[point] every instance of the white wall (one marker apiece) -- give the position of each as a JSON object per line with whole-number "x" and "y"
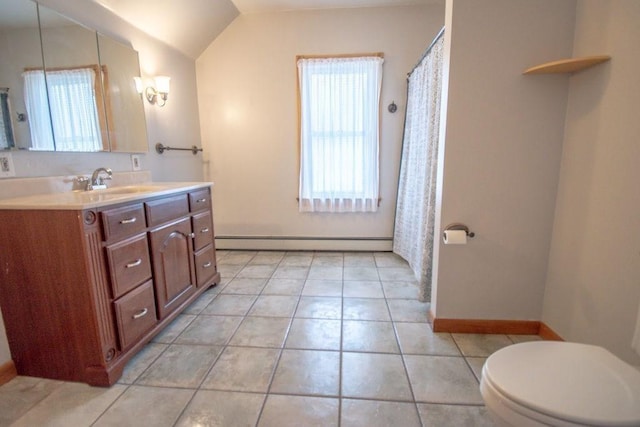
{"x": 177, "y": 124}
{"x": 593, "y": 292}
{"x": 503, "y": 139}
{"x": 248, "y": 110}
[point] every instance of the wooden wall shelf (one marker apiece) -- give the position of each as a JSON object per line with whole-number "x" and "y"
{"x": 571, "y": 65}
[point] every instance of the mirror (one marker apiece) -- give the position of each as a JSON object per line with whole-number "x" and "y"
{"x": 82, "y": 98}
{"x": 72, "y": 84}
{"x": 127, "y": 130}
{"x": 19, "y": 49}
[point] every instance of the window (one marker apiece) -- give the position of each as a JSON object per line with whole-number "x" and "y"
{"x": 70, "y": 108}
{"x": 339, "y": 131}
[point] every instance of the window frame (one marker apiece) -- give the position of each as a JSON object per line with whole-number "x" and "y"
{"x": 299, "y": 103}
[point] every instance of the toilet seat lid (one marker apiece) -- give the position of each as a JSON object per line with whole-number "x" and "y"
{"x": 574, "y": 382}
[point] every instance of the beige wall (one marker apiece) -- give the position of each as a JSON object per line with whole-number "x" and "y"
{"x": 503, "y": 139}
{"x": 247, "y": 94}
{"x": 593, "y": 285}
{"x": 177, "y": 124}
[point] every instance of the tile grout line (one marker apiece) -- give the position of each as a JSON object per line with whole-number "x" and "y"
{"x": 282, "y": 348}
{"x": 404, "y": 363}
{"x": 204, "y": 377}
{"x": 340, "y": 362}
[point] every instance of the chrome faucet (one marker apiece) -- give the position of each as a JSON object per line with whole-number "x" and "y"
{"x": 97, "y": 182}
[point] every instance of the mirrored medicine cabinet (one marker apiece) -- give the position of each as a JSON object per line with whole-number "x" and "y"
{"x": 65, "y": 87}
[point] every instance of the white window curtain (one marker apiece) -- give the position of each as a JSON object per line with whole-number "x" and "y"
{"x": 37, "y": 105}
{"x": 413, "y": 237}
{"x": 72, "y": 107}
{"x": 339, "y": 113}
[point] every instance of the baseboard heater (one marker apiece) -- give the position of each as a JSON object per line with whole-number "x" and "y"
{"x": 305, "y": 243}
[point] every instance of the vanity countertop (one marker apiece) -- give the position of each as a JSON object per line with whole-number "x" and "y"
{"x": 79, "y": 200}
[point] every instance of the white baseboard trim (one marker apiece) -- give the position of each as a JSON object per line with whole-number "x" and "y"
{"x": 294, "y": 243}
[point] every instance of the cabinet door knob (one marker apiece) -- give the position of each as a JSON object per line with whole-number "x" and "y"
{"x": 206, "y": 265}
{"x": 128, "y": 220}
{"x": 204, "y": 230}
{"x": 135, "y": 263}
{"x": 142, "y": 313}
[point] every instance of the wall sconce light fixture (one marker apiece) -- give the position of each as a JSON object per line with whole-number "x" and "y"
{"x": 156, "y": 93}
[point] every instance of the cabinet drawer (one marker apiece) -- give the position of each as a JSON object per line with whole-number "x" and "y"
{"x": 202, "y": 230}
{"x": 163, "y": 210}
{"x": 205, "y": 265}
{"x": 129, "y": 264}
{"x": 135, "y": 313}
{"x": 200, "y": 200}
{"x": 122, "y": 222}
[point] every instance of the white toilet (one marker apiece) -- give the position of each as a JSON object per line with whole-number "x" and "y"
{"x": 550, "y": 383}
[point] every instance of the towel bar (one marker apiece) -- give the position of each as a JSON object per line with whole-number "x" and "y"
{"x": 160, "y": 148}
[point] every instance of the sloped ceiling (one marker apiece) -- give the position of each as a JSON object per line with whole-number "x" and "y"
{"x": 187, "y": 25}
{"x": 191, "y": 25}
{"x": 258, "y": 6}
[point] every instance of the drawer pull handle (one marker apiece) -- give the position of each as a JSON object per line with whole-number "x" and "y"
{"x": 201, "y": 200}
{"x": 204, "y": 230}
{"x": 141, "y": 314}
{"x": 135, "y": 263}
{"x": 206, "y": 265}
{"x": 128, "y": 220}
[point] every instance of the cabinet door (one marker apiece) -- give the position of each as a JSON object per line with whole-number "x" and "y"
{"x": 172, "y": 254}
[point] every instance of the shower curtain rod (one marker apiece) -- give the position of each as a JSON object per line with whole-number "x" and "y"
{"x": 426, "y": 52}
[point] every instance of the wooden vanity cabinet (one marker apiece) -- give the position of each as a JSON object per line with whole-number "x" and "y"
{"x": 83, "y": 291}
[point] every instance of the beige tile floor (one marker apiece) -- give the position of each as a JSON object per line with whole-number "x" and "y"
{"x": 287, "y": 339}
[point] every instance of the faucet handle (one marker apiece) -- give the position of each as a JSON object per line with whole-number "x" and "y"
{"x": 80, "y": 183}
{"x": 102, "y": 179}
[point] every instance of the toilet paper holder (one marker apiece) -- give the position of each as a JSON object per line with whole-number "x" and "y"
{"x": 459, "y": 226}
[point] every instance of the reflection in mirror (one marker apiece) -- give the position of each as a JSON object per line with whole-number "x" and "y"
{"x": 7, "y": 139}
{"x": 72, "y": 83}
{"x": 19, "y": 49}
{"x": 127, "y": 127}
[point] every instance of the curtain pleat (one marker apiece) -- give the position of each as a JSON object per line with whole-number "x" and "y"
{"x": 415, "y": 211}
{"x": 37, "y": 106}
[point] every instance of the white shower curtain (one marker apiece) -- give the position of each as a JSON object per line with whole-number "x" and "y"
{"x": 415, "y": 211}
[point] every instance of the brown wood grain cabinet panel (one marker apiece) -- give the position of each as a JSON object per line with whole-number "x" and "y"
{"x": 123, "y": 221}
{"x": 173, "y": 273}
{"x": 166, "y": 209}
{"x": 44, "y": 278}
{"x": 136, "y": 313}
{"x": 200, "y": 200}
{"x": 129, "y": 264}
{"x": 202, "y": 230}
{"x": 205, "y": 265}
